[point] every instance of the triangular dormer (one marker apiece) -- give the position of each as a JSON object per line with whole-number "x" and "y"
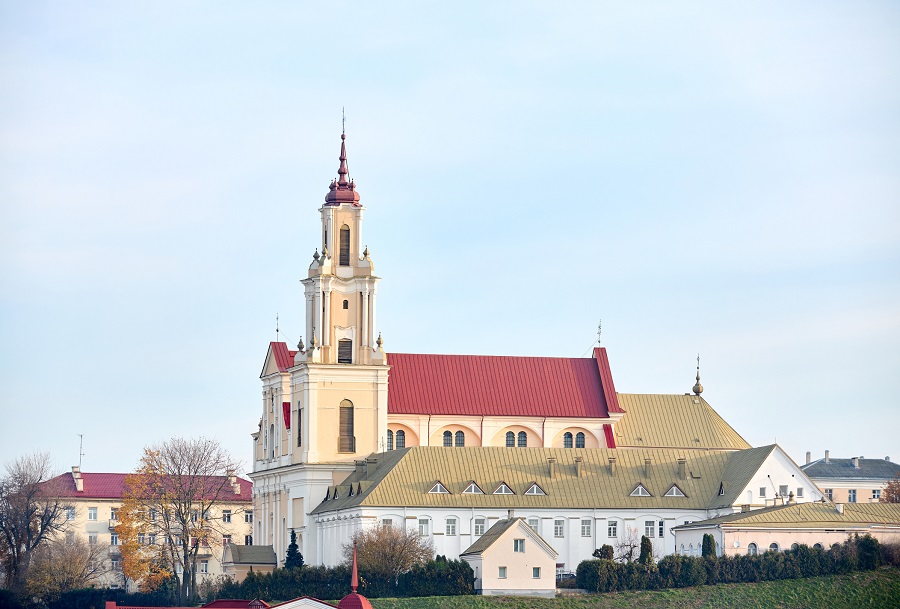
{"x": 674, "y": 491}
{"x": 503, "y": 489}
{"x": 640, "y": 491}
{"x": 721, "y": 489}
{"x": 473, "y": 489}
{"x": 535, "y": 489}
{"x": 438, "y": 489}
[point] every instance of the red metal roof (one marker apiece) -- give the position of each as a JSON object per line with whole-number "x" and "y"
{"x": 112, "y": 486}
{"x": 228, "y": 603}
{"x": 284, "y": 357}
{"x": 610, "y": 439}
{"x": 501, "y": 385}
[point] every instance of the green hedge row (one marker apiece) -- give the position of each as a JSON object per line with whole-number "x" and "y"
{"x": 676, "y": 571}
{"x": 439, "y": 577}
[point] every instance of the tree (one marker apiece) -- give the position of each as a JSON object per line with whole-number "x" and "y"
{"x": 62, "y": 565}
{"x": 709, "y": 546}
{"x": 891, "y": 493}
{"x": 32, "y": 510}
{"x": 646, "y": 550}
{"x": 388, "y": 551}
{"x": 293, "y": 559}
{"x": 629, "y": 546}
{"x": 170, "y": 500}
{"x": 605, "y": 551}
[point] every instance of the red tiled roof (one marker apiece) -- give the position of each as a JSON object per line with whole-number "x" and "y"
{"x": 112, "y": 486}
{"x": 501, "y": 385}
{"x": 284, "y": 357}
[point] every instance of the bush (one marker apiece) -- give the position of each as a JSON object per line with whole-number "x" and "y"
{"x": 646, "y": 550}
{"x": 604, "y": 551}
{"x": 709, "y": 546}
{"x": 890, "y": 554}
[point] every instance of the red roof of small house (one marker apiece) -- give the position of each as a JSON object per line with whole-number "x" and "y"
{"x": 112, "y": 486}
{"x": 284, "y": 357}
{"x": 501, "y": 385}
{"x": 229, "y": 603}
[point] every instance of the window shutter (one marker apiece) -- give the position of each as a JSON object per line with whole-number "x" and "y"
{"x": 346, "y": 441}
{"x": 345, "y": 351}
{"x": 344, "y": 259}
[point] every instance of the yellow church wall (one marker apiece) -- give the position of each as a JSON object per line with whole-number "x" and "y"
{"x": 472, "y": 438}
{"x": 412, "y": 438}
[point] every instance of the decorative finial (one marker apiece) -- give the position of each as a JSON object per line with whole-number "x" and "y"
{"x": 313, "y": 342}
{"x": 366, "y": 253}
{"x": 325, "y": 251}
{"x": 300, "y": 345}
{"x": 342, "y": 190}
{"x": 354, "y": 579}
{"x": 698, "y": 388}
{"x": 379, "y": 342}
{"x": 316, "y": 255}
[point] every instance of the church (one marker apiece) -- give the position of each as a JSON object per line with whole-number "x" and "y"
{"x": 352, "y": 437}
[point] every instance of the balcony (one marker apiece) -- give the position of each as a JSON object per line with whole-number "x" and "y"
{"x": 113, "y": 523}
{"x": 347, "y": 444}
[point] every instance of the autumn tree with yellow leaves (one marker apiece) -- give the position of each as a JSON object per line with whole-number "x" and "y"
{"x": 167, "y": 516}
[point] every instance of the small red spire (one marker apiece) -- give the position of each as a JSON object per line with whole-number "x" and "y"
{"x": 354, "y": 580}
{"x": 342, "y": 190}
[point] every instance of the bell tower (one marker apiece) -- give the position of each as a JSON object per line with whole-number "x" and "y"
{"x": 341, "y": 287}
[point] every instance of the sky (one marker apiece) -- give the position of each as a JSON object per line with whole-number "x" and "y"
{"x": 703, "y": 177}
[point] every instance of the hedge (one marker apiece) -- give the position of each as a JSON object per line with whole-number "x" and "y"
{"x": 676, "y": 571}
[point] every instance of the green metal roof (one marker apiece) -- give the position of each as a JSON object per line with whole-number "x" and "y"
{"x": 808, "y": 515}
{"x": 679, "y": 421}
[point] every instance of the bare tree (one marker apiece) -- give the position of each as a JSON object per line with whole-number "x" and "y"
{"x": 62, "y": 565}
{"x": 891, "y": 492}
{"x": 170, "y": 500}
{"x": 31, "y": 511}
{"x": 628, "y": 548}
{"x": 389, "y": 551}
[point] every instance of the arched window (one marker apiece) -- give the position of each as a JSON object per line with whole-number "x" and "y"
{"x": 510, "y": 439}
{"x": 691, "y": 550}
{"x": 682, "y": 550}
{"x": 817, "y": 546}
{"x": 390, "y": 440}
{"x": 271, "y": 441}
{"x": 344, "y": 258}
{"x": 448, "y": 438}
{"x": 346, "y": 439}
{"x": 773, "y": 546}
{"x": 460, "y": 438}
{"x": 795, "y": 546}
{"x": 346, "y": 304}
{"x": 401, "y": 438}
{"x": 579, "y": 440}
{"x": 345, "y": 351}
{"x": 523, "y": 439}
{"x": 567, "y": 439}
{"x": 752, "y": 549}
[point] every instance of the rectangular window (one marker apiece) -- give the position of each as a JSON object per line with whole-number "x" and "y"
{"x": 115, "y": 564}
{"x": 70, "y": 513}
{"x": 248, "y": 516}
{"x": 92, "y": 513}
{"x": 799, "y": 491}
{"x": 451, "y": 526}
{"x": 345, "y": 351}
{"x": 519, "y": 545}
{"x": 535, "y": 572}
{"x": 585, "y": 528}
{"x": 141, "y": 539}
{"x": 662, "y": 529}
{"x": 226, "y": 515}
{"x": 387, "y": 522}
{"x": 346, "y": 437}
{"x": 762, "y": 492}
{"x": 299, "y": 426}
{"x": 479, "y": 526}
{"x": 204, "y": 566}
{"x": 92, "y": 539}
{"x": 423, "y": 526}
{"x": 151, "y": 539}
{"x": 829, "y": 494}
{"x": 851, "y": 496}
{"x": 559, "y": 528}
{"x": 113, "y": 513}
{"x": 226, "y": 539}
{"x": 534, "y": 523}
{"x": 501, "y": 572}
{"x": 248, "y": 540}
{"x": 195, "y": 515}
{"x": 876, "y": 494}
{"x": 113, "y": 540}
{"x": 612, "y": 529}
{"x": 153, "y": 515}
{"x": 782, "y": 490}
{"x": 650, "y": 528}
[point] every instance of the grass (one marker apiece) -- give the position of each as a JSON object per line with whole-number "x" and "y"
{"x": 869, "y": 589}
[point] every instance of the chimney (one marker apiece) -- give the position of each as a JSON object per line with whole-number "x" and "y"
{"x": 578, "y": 466}
{"x": 612, "y": 466}
{"x": 855, "y": 462}
{"x": 360, "y": 467}
{"x": 791, "y": 497}
{"x": 647, "y": 467}
{"x": 682, "y": 466}
{"x": 551, "y": 462}
{"x": 827, "y": 460}
{"x": 510, "y": 514}
{"x": 808, "y": 457}
{"x": 79, "y": 481}
{"x": 371, "y": 464}
{"x": 887, "y": 458}
{"x": 839, "y": 507}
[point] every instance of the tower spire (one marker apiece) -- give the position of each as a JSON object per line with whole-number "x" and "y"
{"x": 698, "y": 388}
{"x": 342, "y": 190}
{"x": 354, "y": 579}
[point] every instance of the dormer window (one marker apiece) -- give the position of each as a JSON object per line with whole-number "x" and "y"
{"x": 534, "y": 489}
{"x": 503, "y": 489}
{"x": 344, "y": 258}
{"x": 675, "y": 492}
{"x": 721, "y": 489}
{"x": 473, "y": 489}
{"x": 640, "y": 491}
{"x": 438, "y": 489}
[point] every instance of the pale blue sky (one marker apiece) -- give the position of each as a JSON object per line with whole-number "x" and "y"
{"x": 703, "y": 177}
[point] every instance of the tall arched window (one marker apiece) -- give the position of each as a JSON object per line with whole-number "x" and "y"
{"x": 567, "y": 439}
{"x": 523, "y": 439}
{"x": 752, "y": 550}
{"x": 579, "y": 440}
{"x": 510, "y": 439}
{"x": 346, "y": 439}
{"x": 448, "y": 438}
{"x": 345, "y": 351}
{"x": 271, "y": 441}
{"x": 390, "y": 440}
{"x": 344, "y": 258}
{"x": 460, "y": 438}
{"x": 401, "y": 438}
